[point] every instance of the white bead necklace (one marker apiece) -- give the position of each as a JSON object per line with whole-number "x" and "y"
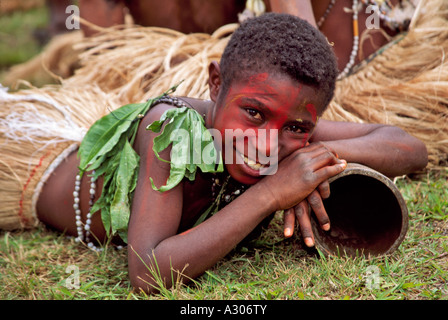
{"x": 76, "y": 205}
{"x": 227, "y": 195}
{"x": 355, "y": 47}
{"x": 384, "y": 9}
{"x": 326, "y": 13}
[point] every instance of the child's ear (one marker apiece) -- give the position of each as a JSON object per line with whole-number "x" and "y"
{"x": 214, "y": 80}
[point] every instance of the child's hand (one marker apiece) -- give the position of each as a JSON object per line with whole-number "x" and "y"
{"x": 301, "y": 212}
{"x": 301, "y": 173}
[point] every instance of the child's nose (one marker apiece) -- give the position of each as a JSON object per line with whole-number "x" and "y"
{"x": 267, "y": 142}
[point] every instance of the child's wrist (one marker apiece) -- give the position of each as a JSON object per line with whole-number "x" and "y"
{"x": 264, "y": 197}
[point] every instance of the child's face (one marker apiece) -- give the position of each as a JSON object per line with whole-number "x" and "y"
{"x": 262, "y": 120}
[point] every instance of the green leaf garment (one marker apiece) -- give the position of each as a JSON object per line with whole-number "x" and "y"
{"x": 107, "y": 151}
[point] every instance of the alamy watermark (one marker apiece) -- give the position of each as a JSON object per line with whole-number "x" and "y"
{"x": 372, "y": 277}
{"x": 72, "y": 282}
{"x": 373, "y": 20}
{"x": 258, "y": 149}
{"x": 72, "y": 21}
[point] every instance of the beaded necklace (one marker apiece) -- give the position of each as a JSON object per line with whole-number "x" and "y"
{"x": 326, "y": 13}
{"x": 224, "y": 191}
{"x": 76, "y": 205}
{"x": 355, "y": 47}
{"x": 384, "y": 9}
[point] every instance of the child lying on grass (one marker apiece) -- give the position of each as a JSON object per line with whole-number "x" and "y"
{"x": 268, "y": 93}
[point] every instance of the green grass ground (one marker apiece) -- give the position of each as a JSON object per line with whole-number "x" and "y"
{"x": 41, "y": 264}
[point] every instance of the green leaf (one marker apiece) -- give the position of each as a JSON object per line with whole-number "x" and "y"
{"x": 188, "y": 137}
{"x": 107, "y": 149}
{"x": 120, "y": 207}
{"x": 177, "y": 117}
{"x": 106, "y": 132}
{"x": 176, "y": 176}
{"x": 205, "y": 214}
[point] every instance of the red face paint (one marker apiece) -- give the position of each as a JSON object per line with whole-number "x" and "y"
{"x": 257, "y": 78}
{"x": 312, "y": 110}
{"x": 269, "y": 102}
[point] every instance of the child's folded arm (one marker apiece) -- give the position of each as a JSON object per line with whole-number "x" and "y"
{"x": 155, "y": 217}
{"x": 195, "y": 250}
{"x": 387, "y": 149}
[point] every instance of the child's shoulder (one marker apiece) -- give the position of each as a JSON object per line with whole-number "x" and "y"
{"x": 156, "y": 111}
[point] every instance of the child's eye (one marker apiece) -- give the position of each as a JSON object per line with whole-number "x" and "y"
{"x": 295, "y": 128}
{"x": 254, "y": 114}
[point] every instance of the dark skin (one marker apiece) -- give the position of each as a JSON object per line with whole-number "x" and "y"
{"x": 160, "y": 224}
{"x": 207, "y": 16}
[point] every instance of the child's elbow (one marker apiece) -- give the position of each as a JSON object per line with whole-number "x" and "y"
{"x": 416, "y": 157}
{"x": 141, "y": 283}
{"x": 412, "y": 153}
{"x": 141, "y": 286}
{"x": 139, "y": 276}
{"x": 421, "y": 153}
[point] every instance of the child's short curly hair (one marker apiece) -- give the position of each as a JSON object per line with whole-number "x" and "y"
{"x": 281, "y": 43}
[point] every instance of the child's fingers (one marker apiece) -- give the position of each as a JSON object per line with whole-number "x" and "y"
{"x": 324, "y": 189}
{"x": 327, "y": 172}
{"x": 289, "y": 220}
{"x": 303, "y": 218}
{"x": 319, "y": 147}
{"x": 315, "y": 201}
{"x": 323, "y": 157}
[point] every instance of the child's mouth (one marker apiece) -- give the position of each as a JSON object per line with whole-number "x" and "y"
{"x": 254, "y": 165}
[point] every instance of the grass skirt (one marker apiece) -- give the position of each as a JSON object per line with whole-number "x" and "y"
{"x": 405, "y": 84}
{"x": 39, "y": 128}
